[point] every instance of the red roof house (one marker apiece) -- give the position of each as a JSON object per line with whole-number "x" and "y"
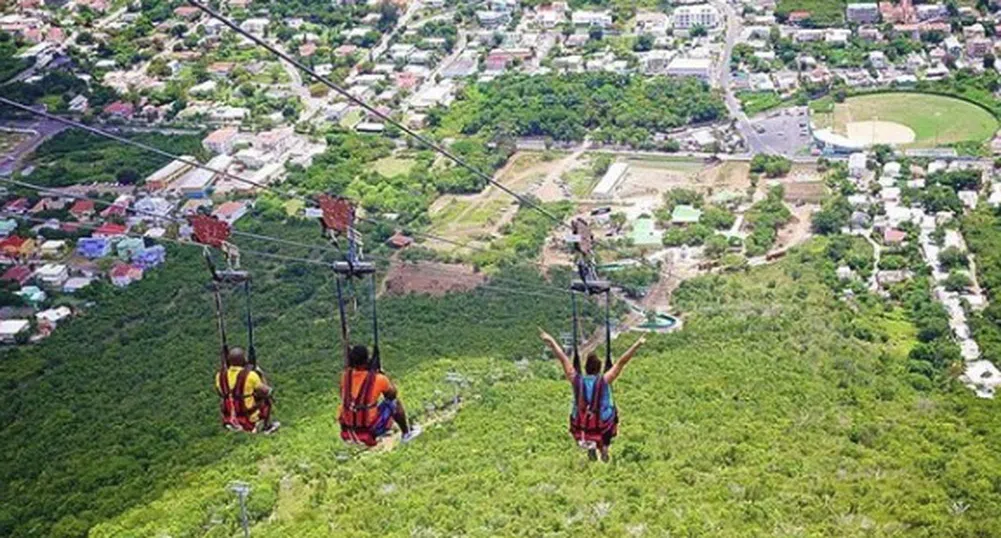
{"x": 893, "y": 236}
{"x": 120, "y": 109}
{"x": 82, "y": 209}
{"x": 110, "y": 229}
{"x": 17, "y": 206}
{"x": 18, "y": 273}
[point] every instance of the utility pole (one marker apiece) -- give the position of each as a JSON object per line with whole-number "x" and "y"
{"x": 242, "y": 489}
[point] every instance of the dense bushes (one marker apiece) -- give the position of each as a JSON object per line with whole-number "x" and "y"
{"x": 621, "y": 109}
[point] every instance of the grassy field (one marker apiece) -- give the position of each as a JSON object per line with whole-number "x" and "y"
{"x": 757, "y": 102}
{"x": 936, "y": 120}
{"x": 822, "y": 12}
{"x": 778, "y": 411}
{"x": 393, "y": 166}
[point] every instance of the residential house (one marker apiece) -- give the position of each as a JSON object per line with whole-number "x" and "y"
{"x": 53, "y": 316}
{"x": 230, "y": 212}
{"x": 128, "y": 247}
{"x": 12, "y": 329}
{"x": 150, "y": 257}
{"x": 597, "y": 19}
{"x": 124, "y": 274}
{"x": 52, "y": 275}
{"x": 7, "y": 227}
{"x": 17, "y": 246}
{"x": 221, "y": 141}
{"x": 110, "y": 230}
{"x": 862, "y": 13}
{"x": 893, "y": 236}
{"x": 82, "y": 209}
{"x": 93, "y": 247}
{"x": 18, "y": 206}
{"x": 53, "y": 248}
{"x": 75, "y": 284}
{"x": 33, "y": 295}
{"x": 120, "y": 109}
{"x": 19, "y": 274}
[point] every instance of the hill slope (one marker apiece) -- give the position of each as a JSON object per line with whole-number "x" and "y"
{"x": 777, "y": 411}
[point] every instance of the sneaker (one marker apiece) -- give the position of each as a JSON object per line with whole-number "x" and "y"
{"x": 592, "y": 454}
{"x": 271, "y": 428}
{"x": 415, "y": 431}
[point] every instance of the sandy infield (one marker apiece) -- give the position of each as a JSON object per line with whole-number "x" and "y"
{"x": 880, "y": 132}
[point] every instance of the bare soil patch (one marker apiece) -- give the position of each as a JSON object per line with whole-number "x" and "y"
{"x": 431, "y": 278}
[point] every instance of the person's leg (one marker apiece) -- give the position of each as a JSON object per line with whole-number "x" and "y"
{"x": 400, "y": 417}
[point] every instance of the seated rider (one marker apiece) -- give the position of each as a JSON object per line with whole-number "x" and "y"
{"x": 604, "y": 426}
{"x": 363, "y": 417}
{"x": 246, "y": 396}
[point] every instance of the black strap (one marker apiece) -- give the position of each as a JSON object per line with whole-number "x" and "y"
{"x": 608, "y": 331}
{"x": 576, "y": 352}
{"x": 344, "y": 321}
{"x": 376, "y": 362}
{"x": 251, "y": 347}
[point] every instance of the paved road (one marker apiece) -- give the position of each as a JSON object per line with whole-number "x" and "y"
{"x": 755, "y": 144}
{"x": 41, "y": 130}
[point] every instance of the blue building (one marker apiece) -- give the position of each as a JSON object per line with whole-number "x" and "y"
{"x": 93, "y": 247}
{"x": 150, "y": 257}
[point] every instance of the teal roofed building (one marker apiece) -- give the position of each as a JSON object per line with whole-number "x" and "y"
{"x": 32, "y": 294}
{"x": 644, "y": 233}
{"x": 685, "y": 214}
{"x": 130, "y": 246}
{"x": 7, "y": 227}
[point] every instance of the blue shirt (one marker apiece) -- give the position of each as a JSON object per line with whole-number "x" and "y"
{"x": 607, "y": 404}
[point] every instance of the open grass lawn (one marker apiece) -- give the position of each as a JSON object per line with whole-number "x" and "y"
{"x": 393, "y": 166}
{"x": 351, "y": 119}
{"x": 757, "y": 102}
{"x": 935, "y": 119}
{"x": 448, "y": 213}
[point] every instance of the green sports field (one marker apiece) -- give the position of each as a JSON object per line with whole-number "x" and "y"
{"x": 936, "y": 120}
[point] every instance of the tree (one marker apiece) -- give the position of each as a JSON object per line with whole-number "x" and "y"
{"x": 770, "y": 165}
{"x": 698, "y": 31}
{"x": 957, "y": 282}
{"x": 989, "y": 60}
{"x": 716, "y": 246}
{"x": 596, "y": 33}
{"x": 643, "y": 43}
{"x": 952, "y": 258}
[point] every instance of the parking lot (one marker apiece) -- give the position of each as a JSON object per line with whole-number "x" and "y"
{"x": 784, "y": 131}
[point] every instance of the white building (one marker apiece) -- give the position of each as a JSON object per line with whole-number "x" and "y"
{"x": 10, "y": 328}
{"x": 255, "y": 25}
{"x": 52, "y": 274}
{"x": 610, "y": 180}
{"x": 691, "y": 67}
{"x": 687, "y": 17}
{"x": 867, "y": 13}
{"x": 857, "y": 164}
{"x": 600, "y": 19}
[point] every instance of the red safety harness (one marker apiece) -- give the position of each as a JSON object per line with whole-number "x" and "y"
{"x": 586, "y": 425}
{"x": 235, "y": 413}
{"x": 355, "y": 419}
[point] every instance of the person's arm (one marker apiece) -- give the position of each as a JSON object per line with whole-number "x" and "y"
{"x": 261, "y": 389}
{"x": 389, "y": 391}
{"x": 554, "y": 346}
{"x": 613, "y": 374}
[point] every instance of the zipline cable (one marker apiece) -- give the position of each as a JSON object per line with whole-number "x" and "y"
{"x": 374, "y": 111}
{"x": 323, "y": 248}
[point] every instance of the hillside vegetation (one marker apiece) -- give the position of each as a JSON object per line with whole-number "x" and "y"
{"x": 779, "y": 410}
{"x": 118, "y": 406}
